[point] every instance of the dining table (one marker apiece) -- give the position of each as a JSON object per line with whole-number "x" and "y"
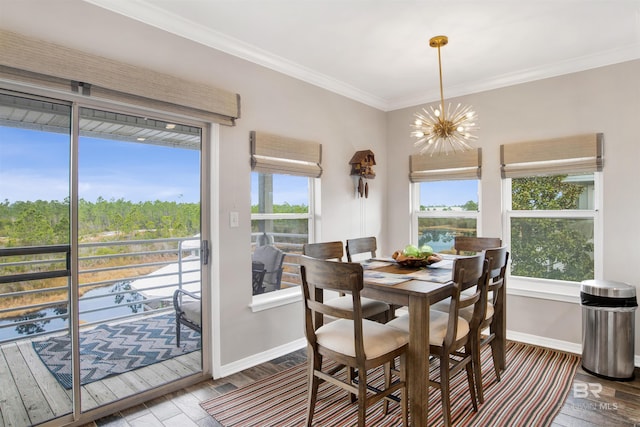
{"x": 416, "y": 287}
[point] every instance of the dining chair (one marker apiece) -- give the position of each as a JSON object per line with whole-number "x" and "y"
{"x": 489, "y": 299}
{"x": 361, "y": 245}
{"x": 371, "y": 309}
{"x": 475, "y": 244}
{"x": 350, "y": 340}
{"x": 449, "y": 333}
{"x": 472, "y": 245}
{"x": 368, "y": 246}
{"x": 188, "y": 311}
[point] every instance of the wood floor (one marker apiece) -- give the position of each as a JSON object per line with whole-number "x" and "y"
{"x": 29, "y": 394}
{"x": 618, "y": 403}
{"x": 592, "y": 401}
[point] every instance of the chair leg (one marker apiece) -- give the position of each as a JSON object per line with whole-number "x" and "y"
{"x": 404, "y": 393}
{"x": 494, "y": 356}
{"x": 351, "y": 374}
{"x": 387, "y": 384}
{"x": 362, "y": 397}
{"x": 177, "y": 331}
{"x": 314, "y": 382}
{"x": 444, "y": 389}
{"x": 474, "y": 343}
{"x": 470, "y": 374}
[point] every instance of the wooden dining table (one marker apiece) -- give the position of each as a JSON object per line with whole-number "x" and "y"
{"x": 416, "y": 288}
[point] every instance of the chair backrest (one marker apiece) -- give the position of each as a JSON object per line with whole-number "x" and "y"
{"x": 324, "y": 250}
{"x": 257, "y": 277}
{"x": 497, "y": 270}
{"x": 475, "y": 244}
{"x": 273, "y": 259}
{"x": 361, "y": 245}
{"x": 318, "y": 275}
{"x": 468, "y": 272}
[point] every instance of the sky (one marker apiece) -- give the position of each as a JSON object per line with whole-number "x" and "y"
{"x": 34, "y": 165}
{"x": 448, "y": 193}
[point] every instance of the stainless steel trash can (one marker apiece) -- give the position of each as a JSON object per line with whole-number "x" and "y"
{"x": 608, "y": 316}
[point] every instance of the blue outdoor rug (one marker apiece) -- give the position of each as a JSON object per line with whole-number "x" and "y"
{"x": 111, "y": 350}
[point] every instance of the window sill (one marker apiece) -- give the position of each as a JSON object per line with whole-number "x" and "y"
{"x": 555, "y": 290}
{"x": 275, "y": 299}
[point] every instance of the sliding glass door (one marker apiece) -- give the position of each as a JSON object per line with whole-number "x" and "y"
{"x": 35, "y": 143}
{"x": 101, "y": 246}
{"x": 138, "y": 242}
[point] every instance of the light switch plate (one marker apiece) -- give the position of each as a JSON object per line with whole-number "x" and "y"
{"x": 234, "y": 219}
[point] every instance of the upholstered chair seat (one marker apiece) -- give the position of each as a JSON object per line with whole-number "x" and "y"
{"x": 378, "y": 339}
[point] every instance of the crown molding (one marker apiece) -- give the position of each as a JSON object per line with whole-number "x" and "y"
{"x": 614, "y": 56}
{"x": 148, "y": 13}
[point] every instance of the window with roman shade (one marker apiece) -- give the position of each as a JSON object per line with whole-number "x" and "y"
{"x": 445, "y": 197}
{"x": 277, "y": 154}
{"x": 553, "y": 211}
{"x": 463, "y": 165}
{"x": 283, "y": 186}
{"x": 28, "y": 61}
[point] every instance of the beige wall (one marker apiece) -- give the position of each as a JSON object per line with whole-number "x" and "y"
{"x": 604, "y": 100}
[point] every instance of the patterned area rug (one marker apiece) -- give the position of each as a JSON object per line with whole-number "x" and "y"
{"x": 531, "y": 392}
{"x": 111, "y": 350}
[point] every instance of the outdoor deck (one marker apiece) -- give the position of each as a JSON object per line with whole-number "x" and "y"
{"x": 37, "y": 396}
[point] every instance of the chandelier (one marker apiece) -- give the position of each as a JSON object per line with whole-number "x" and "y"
{"x": 439, "y": 131}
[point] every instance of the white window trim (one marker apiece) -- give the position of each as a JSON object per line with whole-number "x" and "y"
{"x": 287, "y": 296}
{"x": 555, "y": 290}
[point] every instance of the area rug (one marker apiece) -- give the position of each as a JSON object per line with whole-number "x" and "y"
{"x": 110, "y": 350}
{"x": 531, "y": 392}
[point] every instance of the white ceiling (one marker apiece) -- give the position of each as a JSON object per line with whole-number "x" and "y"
{"x": 377, "y": 51}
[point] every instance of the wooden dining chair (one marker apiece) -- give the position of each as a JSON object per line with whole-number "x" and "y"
{"x": 371, "y": 309}
{"x": 470, "y": 244}
{"x": 489, "y": 299}
{"x": 368, "y": 246}
{"x": 449, "y": 332}
{"x": 350, "y": 340}
{"x": 361, "y": 245}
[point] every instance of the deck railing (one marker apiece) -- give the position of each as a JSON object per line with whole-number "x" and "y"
{"x": 34, "y": 281}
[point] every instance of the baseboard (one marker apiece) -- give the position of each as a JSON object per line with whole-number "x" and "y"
{"x": 256, "y": 359}
{"x": 567, "y": 346}
{"x": 265, "y": 356}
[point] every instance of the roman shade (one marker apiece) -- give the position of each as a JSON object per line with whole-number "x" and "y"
{"x": 279, "y": 154}
{"x": 463, "y": 165}
{"x": 36, "y": 62}
{"x": 573, "y": 154}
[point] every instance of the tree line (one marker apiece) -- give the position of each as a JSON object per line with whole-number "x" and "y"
{"x": 40, "y": 222}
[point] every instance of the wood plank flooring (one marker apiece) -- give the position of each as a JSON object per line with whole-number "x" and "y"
{"x": 592, "y": 401}
{"x": 30, "y": 395}
{"x": 617, "y": 405}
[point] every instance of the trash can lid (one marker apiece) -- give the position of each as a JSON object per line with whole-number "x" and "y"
{"x": 607, "y": 288}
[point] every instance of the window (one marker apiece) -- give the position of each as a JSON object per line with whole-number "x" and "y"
{"x": 552, "y": 217}
{"x": 445, "y": 197}
{"x": 282, "y": 212}
{"x": 281, "y": 216}
{"x": 552, "y": 226}
{"x": 445, "y": 209}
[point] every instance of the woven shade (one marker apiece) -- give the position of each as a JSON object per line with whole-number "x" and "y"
{"x": 574, "y": 154}
{"x": 282, "y": 155}
{"x": 464, "y": 165}
{"x": 56, "y": 67}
